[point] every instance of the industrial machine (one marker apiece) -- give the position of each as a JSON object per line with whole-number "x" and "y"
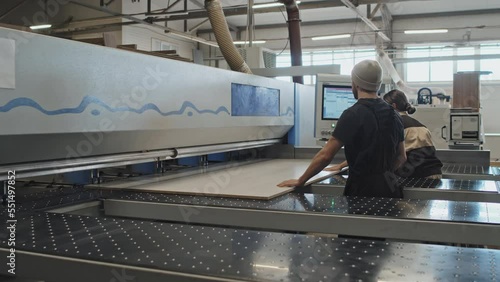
{"x": 333, "y": 96}
{"x": 458, "y": 128}
{"x": 82, "y": 102}
{"x": 80, "y": 108}
{"x": 434, "y": 117}
{"x": 465, "y": 130}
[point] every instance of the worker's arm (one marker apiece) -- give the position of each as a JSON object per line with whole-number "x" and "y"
{"x": 319, "y": 162}
{"x": 337, "y": 167}
{"x": 401, "y": 158}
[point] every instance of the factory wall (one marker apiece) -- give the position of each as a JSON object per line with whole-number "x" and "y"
{"x": 145, "y": 36}
{"x": 112, "y": 37}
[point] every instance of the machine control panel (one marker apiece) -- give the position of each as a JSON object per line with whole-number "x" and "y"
{"x": 465, "y": 129}
{"x": 326, "y": 132}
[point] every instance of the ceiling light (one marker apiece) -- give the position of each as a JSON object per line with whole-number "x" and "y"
{"x": 246, "y": 42}
{"x": 270, "y": 5}
{"x": 177, "y": 14}
{"x": 338, "y": 36}
{"x": 426, "y": 31}
{"x": 40, "y": 26}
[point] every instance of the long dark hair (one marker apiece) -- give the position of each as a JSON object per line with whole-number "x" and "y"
{"x": 399, "y": 98}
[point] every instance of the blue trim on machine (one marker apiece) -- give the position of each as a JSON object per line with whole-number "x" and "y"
{"x": 293, "y": 133}
{"x": 87, "y": 100}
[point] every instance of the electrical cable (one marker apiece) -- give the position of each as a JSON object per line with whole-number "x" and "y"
{"x": 288, "y": 38}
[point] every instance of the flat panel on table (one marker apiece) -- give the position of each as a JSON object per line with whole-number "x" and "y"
{"x": 254, "y": 181}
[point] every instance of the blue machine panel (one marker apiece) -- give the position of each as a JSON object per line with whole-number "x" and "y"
{"x": 249, "y": 100}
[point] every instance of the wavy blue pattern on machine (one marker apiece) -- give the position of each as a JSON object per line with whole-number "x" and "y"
{"x": 87, "y": 100}
{"x": 289, "y": 112}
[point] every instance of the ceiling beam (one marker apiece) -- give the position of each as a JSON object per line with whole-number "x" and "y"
{"x": 197, "y": 26}
{"x": 367, "y": 21}
{"x": 198, "y": 3}
{"x": 394, "y": 17}
{"x": 284, "y": 25}
{"x": 149, "y": 13}
{"x": 372, "y": 14}
{"x": 386, "y": 20}
{"x": 243, "y": 9}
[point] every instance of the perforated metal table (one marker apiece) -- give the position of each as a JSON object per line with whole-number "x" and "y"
{"x": 425, "y": 189}
{"x": 423, "y": 220}
{"x": 471, "y": 172}
{"x": 60, "y": 247}
{"x": 63, "y": 247}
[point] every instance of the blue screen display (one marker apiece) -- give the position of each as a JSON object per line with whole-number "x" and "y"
{"x": 336, "y": 99}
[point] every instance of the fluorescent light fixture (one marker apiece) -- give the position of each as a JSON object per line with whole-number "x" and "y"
{"x": 270, "y": 5}
{"x": 338, "y": 36}
{"x": 41, "y": 26}
{"x": 246, "y": 42}
{"x": 177, "y": 14}
{"x": 426, "y": 31}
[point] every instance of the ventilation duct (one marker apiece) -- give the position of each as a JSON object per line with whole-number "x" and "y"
{"x": 294, "y": 34}
{"x": 223, "y": 36}
{"x": 387, "y": 64}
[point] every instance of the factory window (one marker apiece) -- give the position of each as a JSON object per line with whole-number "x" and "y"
{"x": 283, "y": 61}
{"x": 492, "y": 65}
{"x": 160, "y": 45}
{"x": 345, "y": 58}
{"x": 364, "y": 54}
{"x": 441, "y": 70}
{"x": 418, "y": 71}
{"x": 424, "y": 66}
{"x": 466, "y": 65}
{"x": 322, "y": 58}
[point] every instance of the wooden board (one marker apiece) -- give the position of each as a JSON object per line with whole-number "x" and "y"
{"x": 252, "y": 181}
{"x": 97, "y": 41}
{"x": 466, "y": 89}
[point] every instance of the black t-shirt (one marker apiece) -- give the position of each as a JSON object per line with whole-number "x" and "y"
{"x": 371, "y": 131}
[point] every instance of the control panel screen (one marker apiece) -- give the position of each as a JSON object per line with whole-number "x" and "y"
{"x": 336, "y": 99}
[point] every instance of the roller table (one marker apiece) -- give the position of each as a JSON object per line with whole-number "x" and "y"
{"x": 67, "y": 247}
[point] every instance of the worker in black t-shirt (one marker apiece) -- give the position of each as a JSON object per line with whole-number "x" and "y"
{"x": 420, "y": 150}
{"x": 372, "y": 135}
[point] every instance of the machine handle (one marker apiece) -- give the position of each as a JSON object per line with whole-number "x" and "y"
{"x": 443, "y": 131}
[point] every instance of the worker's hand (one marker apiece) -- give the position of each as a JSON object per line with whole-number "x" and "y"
{"x": 291, "y": 183}
{"x": 337, "y": 167}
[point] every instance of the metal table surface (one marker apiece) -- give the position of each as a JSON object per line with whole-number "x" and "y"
{"x": 417, "y": 220}
{"x": 471, "y": 172}
{"x": 79, "y": 248}
{"x": 422, "y": 220}
{"x": 424, "y": 189}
